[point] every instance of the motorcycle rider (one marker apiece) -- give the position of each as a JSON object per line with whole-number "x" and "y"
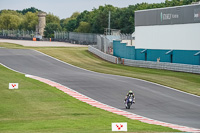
{"x": 130, "y": 92}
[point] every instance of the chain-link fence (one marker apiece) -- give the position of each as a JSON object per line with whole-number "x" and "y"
{"x": 61, "y": 35}
{"x": 17, "y": 34}
{"x": 126, "y": 37}
{"x": 100, "y": 42}
{"x": 74, "y": 37}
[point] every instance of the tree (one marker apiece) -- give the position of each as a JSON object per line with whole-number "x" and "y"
{"x": 99, "y": 18}
{"x": 32, "y": 9}
{"x": 30, "y": 21}
{"x": 50, "y": 18}
{"x": 50, "y": 28}
{"x": 62, "y": 23}
{"x": 10, "y": 20}
{"x": 87, "y": 21}
{"x": 75, "y": 15}
{"x": 70, "y": 24}
{"x": 84, "y": 27}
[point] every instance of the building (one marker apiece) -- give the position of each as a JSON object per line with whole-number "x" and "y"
{"x": 168, "y": 28}
{"x": 165, "y": 35}
{"x": 41, "y": 25}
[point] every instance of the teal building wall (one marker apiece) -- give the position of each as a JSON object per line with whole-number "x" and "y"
{"x": 154, "y": 54}
{"x": 186, "y": 57}
{"x": 176, "y": 56}
{"x": 139, "y": 55}
{"x": 123, "y": 51}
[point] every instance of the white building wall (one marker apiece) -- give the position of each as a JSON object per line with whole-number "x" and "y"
{"x": 179, "y": 36}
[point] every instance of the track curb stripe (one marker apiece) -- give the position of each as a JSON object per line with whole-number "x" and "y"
{"x": 100, "y": 105}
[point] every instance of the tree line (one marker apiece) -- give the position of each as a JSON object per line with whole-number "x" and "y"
{"x": 86, "y": 22}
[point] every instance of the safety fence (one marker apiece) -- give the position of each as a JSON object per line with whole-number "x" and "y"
{"x": 105, "y": 42}
{"x": 107, "y": 57}
{"x": 75, "y": 37}
{"x": 17, "y": 34}
{"x": 163, "y": 65}
{"x": 126, "y": 37}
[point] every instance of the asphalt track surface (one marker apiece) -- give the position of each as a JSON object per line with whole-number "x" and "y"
{"x": 152, "y": 100}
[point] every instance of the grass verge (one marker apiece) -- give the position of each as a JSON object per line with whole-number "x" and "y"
{"x": 38, "y": 107}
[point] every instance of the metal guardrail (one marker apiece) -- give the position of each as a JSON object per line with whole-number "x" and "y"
{"x": 101, "y": 54}
{"x": 163, "y": 65}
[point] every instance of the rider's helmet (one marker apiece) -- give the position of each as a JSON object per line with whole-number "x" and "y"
{"x": 130, "y": 92}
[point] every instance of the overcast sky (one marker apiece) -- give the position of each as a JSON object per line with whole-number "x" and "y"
{"x": 65, "y": 8}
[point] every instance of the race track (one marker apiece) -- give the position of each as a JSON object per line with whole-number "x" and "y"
{"x": 152, "y": 101}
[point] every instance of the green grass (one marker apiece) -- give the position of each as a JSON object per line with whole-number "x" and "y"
{"x": 81, "y": 57}
{"x": 38, "y": 107}
{"x": 11, "y": 45}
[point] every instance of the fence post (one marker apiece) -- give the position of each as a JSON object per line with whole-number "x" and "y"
{"x": 18, "y": 33}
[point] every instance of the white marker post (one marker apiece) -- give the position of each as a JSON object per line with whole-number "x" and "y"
{"x": 119, "y": 126}
{"x": 13, "y": 85}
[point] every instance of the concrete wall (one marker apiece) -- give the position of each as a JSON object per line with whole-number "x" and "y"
{"x": 181, "y": 37}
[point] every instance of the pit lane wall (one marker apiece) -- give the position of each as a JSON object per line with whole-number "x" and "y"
{"x": 93, "y": 49}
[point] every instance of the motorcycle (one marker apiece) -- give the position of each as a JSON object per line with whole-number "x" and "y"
{"x": 129, "y": 101}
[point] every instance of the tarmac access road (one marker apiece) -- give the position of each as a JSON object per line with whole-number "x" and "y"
{"x": 152, "y": 100}
{"x": 41, "y": 43}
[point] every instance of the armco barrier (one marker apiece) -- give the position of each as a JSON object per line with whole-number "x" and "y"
{"x": 104, "y": 56}
{"x": 163, "y": 65}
